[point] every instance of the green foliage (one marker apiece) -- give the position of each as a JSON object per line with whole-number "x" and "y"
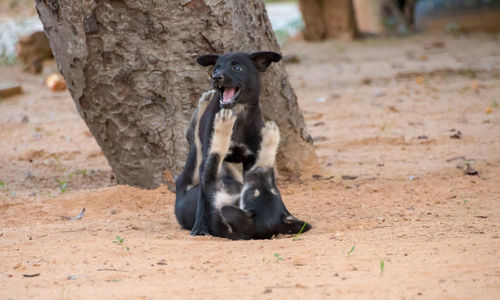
{"x": 296, "y": 238}
{"x": 2, "y": 183}
{"x": 382, "y": 263}
{"x": 350, "y": 251}
{"x": 120, "y": 241}
{"x": 283, "y": 33}
{"x": 278, "y": 257}
{"x": 6, "y": 60}
{"x": 63, "y": 185}
{"x": 465, "y": 202}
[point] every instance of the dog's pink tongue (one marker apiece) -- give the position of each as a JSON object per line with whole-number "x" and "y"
{"x": 228, "y": 94}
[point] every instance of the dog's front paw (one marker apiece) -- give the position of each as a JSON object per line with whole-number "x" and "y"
{"x": 270, "y": 141}
{"x": 223, "y": 129}
{"x": 270, "y": 136}
{"x": 224, "y": 122}
{"x": 207, "y": 96}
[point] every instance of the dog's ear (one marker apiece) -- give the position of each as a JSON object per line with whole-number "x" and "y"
{"x": 263, "y": 59}
{"x": 238, "y": 219}
{"x": 207, "y": 60}
{"x": 294, "y": 225}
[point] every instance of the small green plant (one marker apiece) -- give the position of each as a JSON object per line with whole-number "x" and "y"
{"x": 63, "y": 185}
{"x": 82, "y": 172}
{"x": 296, "y": 238}
{"x": 120, "y": 241}
{"x": 350, "y": 251}
{"x": 465, "y": 202}
{"x": 2, "y": 183}
{"x": 278, "y": 257}
{"x": 494, "y": 103}
{"x": 382, "y": 263}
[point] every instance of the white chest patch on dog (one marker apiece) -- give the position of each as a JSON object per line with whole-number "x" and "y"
{"x": 256, "y": 193}
{"x": 223, "y": 198}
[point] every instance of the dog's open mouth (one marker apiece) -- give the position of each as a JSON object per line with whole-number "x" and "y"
{"x": 229, "y": 96}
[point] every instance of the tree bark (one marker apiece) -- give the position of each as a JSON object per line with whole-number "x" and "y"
{"x": 326, "y": 19}
{"x": 130, "y": 68}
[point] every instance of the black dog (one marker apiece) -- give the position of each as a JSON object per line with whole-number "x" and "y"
{"x": 210, "y": 185}
{"x": 260, "y": 199}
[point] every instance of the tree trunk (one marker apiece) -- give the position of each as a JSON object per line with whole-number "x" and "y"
{"x": 131, "y": 70}
{"x": 328, "y": 19}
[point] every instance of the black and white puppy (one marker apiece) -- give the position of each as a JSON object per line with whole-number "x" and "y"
{"x": 199, "y": 202}
{"x": 260, "y": 204}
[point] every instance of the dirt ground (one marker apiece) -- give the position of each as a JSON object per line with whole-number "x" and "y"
{"x": 407, "y": 224}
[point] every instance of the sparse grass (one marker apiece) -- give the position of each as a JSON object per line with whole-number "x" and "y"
{"x": 289, "y": 30}
{"x": 350, "y": 251}
{"x": 6, "y": 60}
{"x": 63, "y": 185}
{"x": 494, "y": 104}
{"x": 2, "y": 183}
{"x": 278, "y": 257}
{"x": 465, "y": 202}
{"x": 296, "y": 238}
{"x": 120, "y": 241}
{"x": 382, "y": 264}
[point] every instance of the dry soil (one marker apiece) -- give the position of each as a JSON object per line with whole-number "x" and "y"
{"x": 406, "y": 222}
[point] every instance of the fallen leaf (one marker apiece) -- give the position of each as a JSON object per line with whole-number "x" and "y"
{"x": 80, "y": 215}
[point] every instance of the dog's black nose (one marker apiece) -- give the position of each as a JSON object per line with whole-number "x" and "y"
{"x": 218, "y": 77}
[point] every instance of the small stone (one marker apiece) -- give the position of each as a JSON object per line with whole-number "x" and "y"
{"x": 72, "y": 277}
{"x": 471, "y": 171}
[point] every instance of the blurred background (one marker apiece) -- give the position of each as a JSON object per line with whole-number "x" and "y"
{"x": 312, "y": 20}
{"x": 391, "y": 69}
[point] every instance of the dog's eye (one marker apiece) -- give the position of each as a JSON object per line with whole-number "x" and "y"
{"x": 237, "y": 68}
{"x": 216, "y": 69}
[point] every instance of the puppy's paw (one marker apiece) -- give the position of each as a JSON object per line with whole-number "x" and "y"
{"x": 206, "y": 96}
{"x": 224, "y": 121}
{"x": 270, "y": 136}
{"x": 223, "y": 129}
{"x": 270, "y": 141}
{"x": 195, "y": 232}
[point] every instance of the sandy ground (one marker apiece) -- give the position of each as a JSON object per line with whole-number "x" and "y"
{"x": 379, "y": 110}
